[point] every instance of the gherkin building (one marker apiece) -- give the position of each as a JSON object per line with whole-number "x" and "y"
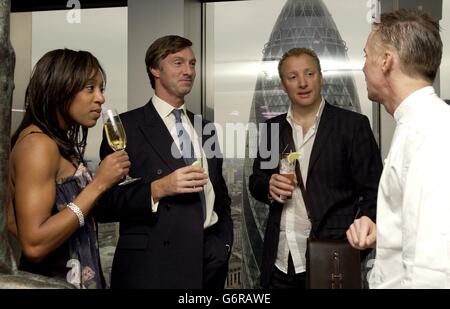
{"x": 301, "y": 23}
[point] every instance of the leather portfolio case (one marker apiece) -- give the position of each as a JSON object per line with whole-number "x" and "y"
{"x": 332, "y": 264}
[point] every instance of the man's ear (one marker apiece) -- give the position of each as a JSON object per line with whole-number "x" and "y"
{"x": 154, "y": 72}
{"x": 282, "y": 85}
{"x": 387, "y": 61}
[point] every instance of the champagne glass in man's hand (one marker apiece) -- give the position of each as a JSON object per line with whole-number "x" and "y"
{"x": 115, "y": 134}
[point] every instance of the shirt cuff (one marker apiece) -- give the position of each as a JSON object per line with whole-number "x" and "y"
{"x": 154, "y": 205}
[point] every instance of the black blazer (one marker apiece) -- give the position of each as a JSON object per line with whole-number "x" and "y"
{"x": 162, "y": 249}
{"x": 342, "y": 183}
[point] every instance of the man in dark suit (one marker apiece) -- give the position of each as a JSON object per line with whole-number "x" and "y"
{"x": 175, "y": 223}
{"x": 339, "y": 165}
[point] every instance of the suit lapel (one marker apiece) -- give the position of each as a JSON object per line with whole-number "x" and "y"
{"x": 287, "y": 141}
{"x": 157, "y": 135}
{"x": 325, "y": 128}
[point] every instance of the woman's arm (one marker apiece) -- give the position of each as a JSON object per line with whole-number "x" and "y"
{"x": 37, "y": 163}
{"x": 12, "y": 227}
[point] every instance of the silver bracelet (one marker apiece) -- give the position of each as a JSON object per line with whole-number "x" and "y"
{"x": 77, "y": 211}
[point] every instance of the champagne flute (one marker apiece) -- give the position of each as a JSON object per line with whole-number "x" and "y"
{"x": 116, "y": 136}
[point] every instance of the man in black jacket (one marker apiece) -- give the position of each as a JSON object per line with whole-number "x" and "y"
{"x": 175, "y": 223}
{"x": 339, "y": 165}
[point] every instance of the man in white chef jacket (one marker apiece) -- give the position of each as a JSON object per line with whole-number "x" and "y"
{"x": 412, "y": 233}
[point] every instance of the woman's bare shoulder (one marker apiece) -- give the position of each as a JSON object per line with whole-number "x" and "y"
{"x": 35, "y": 149}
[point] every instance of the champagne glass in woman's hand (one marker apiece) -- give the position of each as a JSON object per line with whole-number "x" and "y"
{"x": 115, "y": 134}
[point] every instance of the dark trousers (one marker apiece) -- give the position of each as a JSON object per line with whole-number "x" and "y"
{"x": 215, "y": 262}
{"x": 291, "y": 280}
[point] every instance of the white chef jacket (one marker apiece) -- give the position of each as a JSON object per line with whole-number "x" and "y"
{"x": 413, "y": 208}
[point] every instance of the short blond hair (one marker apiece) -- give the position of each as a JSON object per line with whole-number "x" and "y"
{"x": 296, "y": 52}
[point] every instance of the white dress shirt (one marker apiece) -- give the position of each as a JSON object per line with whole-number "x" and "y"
{"x": 413, "y": 208}
{"x": 164, "y": 110}
{"x": 295, "y": 225}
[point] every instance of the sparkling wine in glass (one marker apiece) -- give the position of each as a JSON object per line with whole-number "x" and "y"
{"x": 116, "y": 136}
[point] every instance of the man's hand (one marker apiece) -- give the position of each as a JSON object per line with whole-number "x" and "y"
{"x": 280, "y": 185}
{"x": 187, "y": 179}
{"x": 362, "y": 234}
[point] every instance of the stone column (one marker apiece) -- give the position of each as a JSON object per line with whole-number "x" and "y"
{"x": 7, "y": 263}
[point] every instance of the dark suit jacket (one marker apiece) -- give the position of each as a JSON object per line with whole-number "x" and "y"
{"x": 342, "y": 183}
{"x": 163, "y": 249}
